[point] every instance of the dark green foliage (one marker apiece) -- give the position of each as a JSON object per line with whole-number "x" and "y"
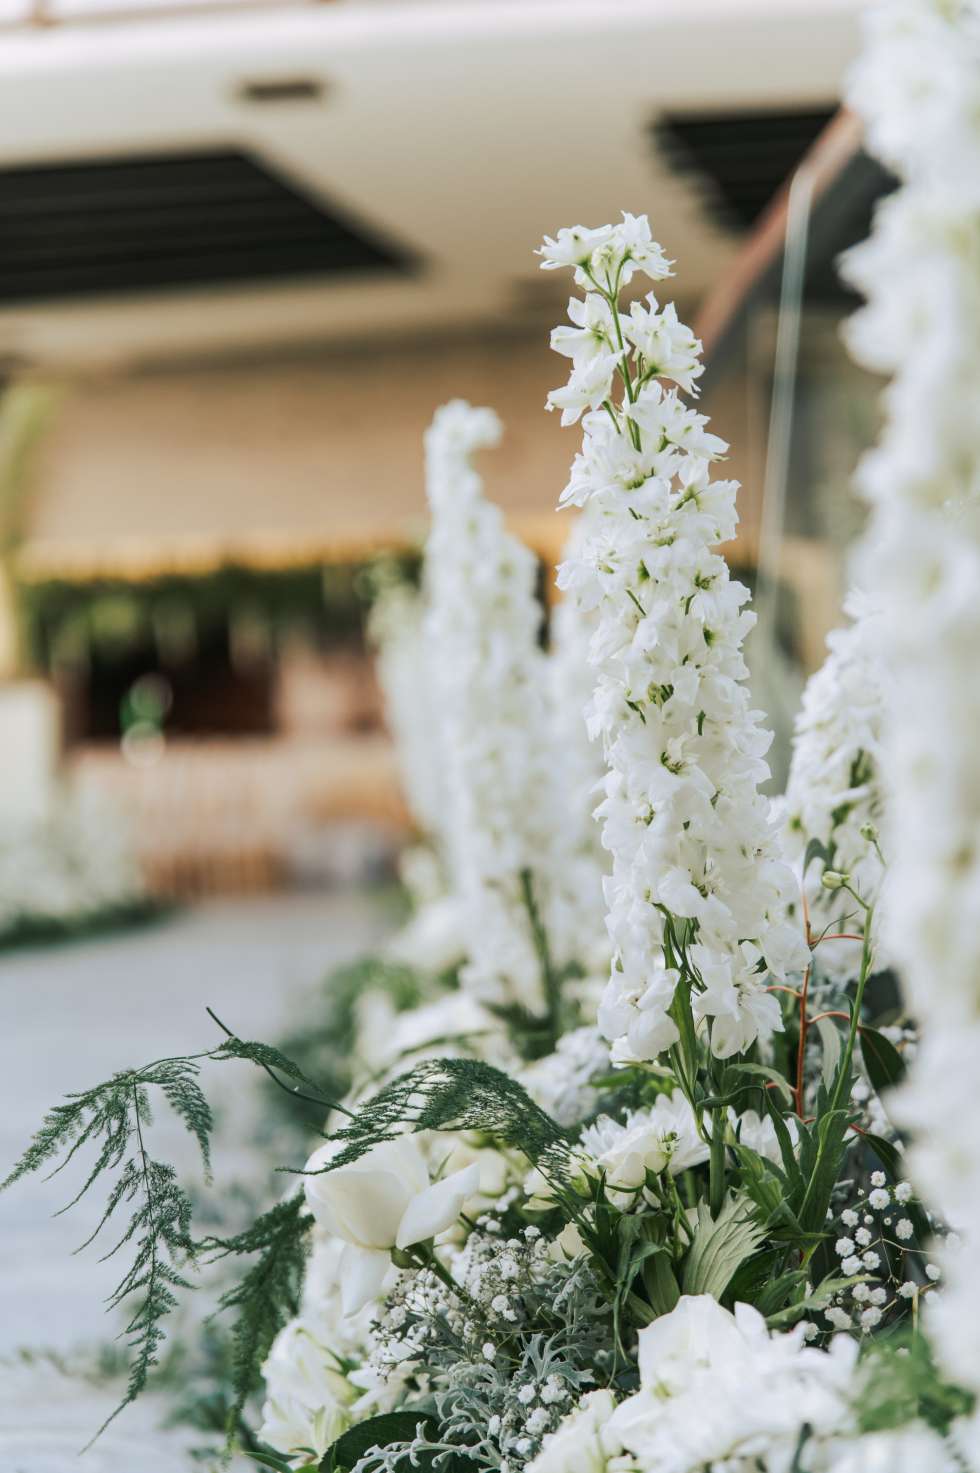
{"x": 457, "y": 1094}
{"x": 48, "y": 930}
{"x": 113, "y": 617}
{"x": 883, "y": 1062}
{"x": 379, "y": 1431}
{"x": 274, "y": 1062}
{"x": 901, "y": 1383}
{"x": 109, "y": 1112}
{"x": 268, "y": 1295}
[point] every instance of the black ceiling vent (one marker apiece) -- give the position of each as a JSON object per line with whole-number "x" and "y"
{"x": 163, "y": 222}
{"x": 741, "y": 158}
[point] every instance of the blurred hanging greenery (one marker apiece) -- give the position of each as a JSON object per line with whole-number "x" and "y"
{"x": 25, "y": 412}
{"x": 69, "y": 622}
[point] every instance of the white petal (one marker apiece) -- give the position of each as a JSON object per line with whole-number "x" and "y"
{"x": 362, "y": 1273}
{"x": 438, "y": 1207}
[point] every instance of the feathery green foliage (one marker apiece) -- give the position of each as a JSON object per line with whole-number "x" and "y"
{"x": 269, "y": 1293}
{"x": 457, "y": 1094}
{"x": 112, "y": 1118}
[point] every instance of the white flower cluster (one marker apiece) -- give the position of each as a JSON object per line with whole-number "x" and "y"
{"x": 689, "y": 833}
{"x": 718, "y": 1389}
{"x": 918, "y": 90}
{"x": 483, "y": 619}
{"x": 579, "y": 769}
{"x": 561, "y": 1082}
{"x": 664, "y": 1137}
{"x": 834, "y": 791}
{"x": 308, "y": 1399}
{"x": 69, "y": 869}
{"x": 396, "y": 631}
{"x": 432, "y": 940}
{"x": 719, "y": 1393}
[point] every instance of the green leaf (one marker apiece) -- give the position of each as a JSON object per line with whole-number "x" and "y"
{"x": 775, "y": 1293}
{"x": 271, "y": 1460}
{"x": 884, "y": 1063}
{"x": 887, "y": 1154}
{"x": 380, "y": 1431}
{"x": 761, "y": 1179}
{"x": 660, "y": 1283}
{"x": 720, "y": 1245}
{"x": 819, "y": 1299}
{"x": 787, "y": 1151}
{"x": 761, "y": 1071}
{"x": 831, "y": 1142}
{"x": 830, "y": 1042}
{"x": 682, "y": 1013}
{"x": 815, "y": 850}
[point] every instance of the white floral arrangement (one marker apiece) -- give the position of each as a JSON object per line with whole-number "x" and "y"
{"x": 694, "y": 1215}
{"x": 69, "y": 870}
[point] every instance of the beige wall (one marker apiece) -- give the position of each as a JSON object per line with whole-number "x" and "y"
{"x": 325, "y": 447}
{"x": 330, "y": 446}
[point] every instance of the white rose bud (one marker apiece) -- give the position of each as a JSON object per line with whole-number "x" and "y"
{"x": 381, "y": 1202}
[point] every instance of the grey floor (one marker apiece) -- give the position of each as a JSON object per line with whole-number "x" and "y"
{"x": 69, "y": 1016}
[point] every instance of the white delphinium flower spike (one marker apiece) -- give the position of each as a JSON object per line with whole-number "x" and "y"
{"x": 490, "y": 671}
{"x": 698, "y": 889}
{"x": 917, "y": 88}
{"x": 580, "y": 930}
{"x": 396, "y": 631}
{"x": 834, "y": 793}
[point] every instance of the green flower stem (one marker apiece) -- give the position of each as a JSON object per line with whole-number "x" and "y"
{"x": 717, "y": 1161}
{"x": 866, "y": 960}
{"x": 550, "y": 980}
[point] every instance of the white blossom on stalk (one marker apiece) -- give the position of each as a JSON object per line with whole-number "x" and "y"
{"x": 396, "y": 629}
{"x": 834, "y": 793}
{"x": 918, "y": 89}
{"x": 482, "y": 628}
{"x": 690, "y": 835}
{"x": 579, "y": 770}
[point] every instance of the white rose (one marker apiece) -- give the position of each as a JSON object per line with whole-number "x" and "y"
{"x": 580, "y": 1444}
{"x": 568, "y": 1244}
{"x": 497, "y": 1171}
{"x": 307, "y": 1399}
{"x": 382, "y": 1201}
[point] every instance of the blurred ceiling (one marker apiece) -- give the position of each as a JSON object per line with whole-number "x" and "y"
{"x": 181, "y": 184}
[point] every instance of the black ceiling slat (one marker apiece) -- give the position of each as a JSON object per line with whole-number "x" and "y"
{"x": 112, "y": 231}
{"x": 88, "y": 234}
{"x": 157, "y": 222}
{"x": 82, "y": 196}
{"x": 133, "y": 167}
{"x": 147, "y": 250}
{"x": 741, "y": 158}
